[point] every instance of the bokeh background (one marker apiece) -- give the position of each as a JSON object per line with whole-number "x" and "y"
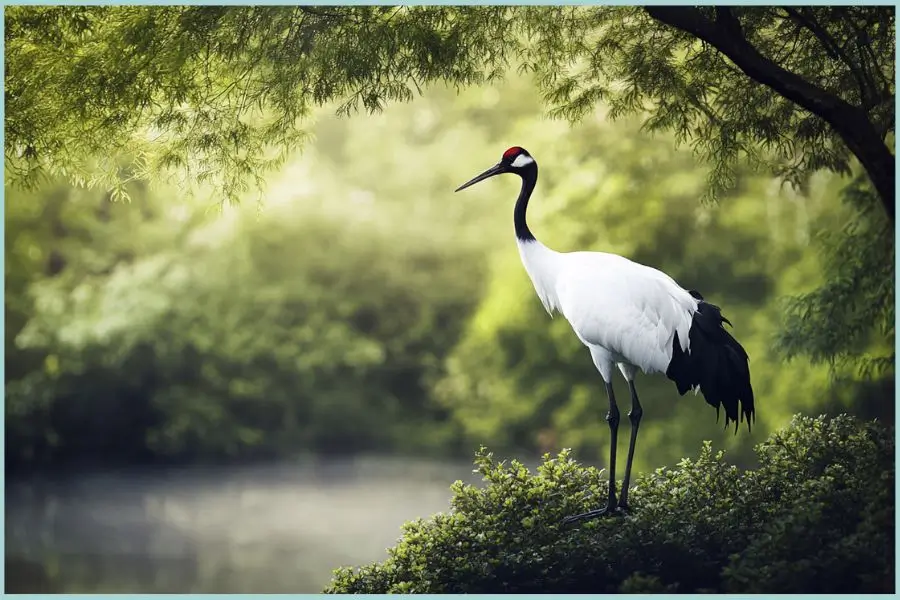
{"x": 240, "y": 398}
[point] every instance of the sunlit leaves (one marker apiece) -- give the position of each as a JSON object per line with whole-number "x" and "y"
{"x": 219, "y": 93}
{"x": 216, "y": 95}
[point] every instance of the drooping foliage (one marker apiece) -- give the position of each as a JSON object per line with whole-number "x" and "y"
{"x": 216, "y": 87}
{"x": 850, "y": 318}
{"x": 816, "y": 517}
{"x": 216, "y": 93}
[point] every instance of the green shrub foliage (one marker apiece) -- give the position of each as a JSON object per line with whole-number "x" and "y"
{"x": 816, "y": 516}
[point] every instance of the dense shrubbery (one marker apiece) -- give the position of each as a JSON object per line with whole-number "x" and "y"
{"x": 816, "y": 516}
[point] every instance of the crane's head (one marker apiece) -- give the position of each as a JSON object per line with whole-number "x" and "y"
{"x": 514, "y": 160}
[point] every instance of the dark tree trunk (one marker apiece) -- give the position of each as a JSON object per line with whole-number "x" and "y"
{"x": 850, "y": 122}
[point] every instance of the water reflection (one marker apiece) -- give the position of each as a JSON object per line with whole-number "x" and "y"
{"x": 277, "y": 528}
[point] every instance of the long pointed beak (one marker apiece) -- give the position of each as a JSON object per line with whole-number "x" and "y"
{"x": 495, "y": 170}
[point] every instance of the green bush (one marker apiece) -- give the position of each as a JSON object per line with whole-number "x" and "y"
{"x": 816, "y": 516}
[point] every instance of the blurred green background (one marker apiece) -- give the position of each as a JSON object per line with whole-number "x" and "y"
{"x": 240, "y": 400}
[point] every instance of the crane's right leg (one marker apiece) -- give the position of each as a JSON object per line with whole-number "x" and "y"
{"x": 634, "y": 415}
{"x": 604, "y": 365}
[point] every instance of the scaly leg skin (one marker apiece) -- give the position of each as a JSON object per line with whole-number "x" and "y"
{"x": 634, "y": 415}
{"x": 612, "y": 418}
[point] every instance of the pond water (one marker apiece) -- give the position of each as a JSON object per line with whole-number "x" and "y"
{"x": 253, "y": 529}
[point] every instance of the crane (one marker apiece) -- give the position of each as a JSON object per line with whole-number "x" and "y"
{"x": 632, "y": 317}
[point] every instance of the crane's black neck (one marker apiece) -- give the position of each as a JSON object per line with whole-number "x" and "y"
{"x": 529, "y": 179}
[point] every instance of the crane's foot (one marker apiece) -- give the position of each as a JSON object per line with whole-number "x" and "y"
{"x": 610, "y": 510}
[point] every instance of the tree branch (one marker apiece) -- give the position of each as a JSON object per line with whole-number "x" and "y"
{"x": 850, "y": 122}
{"x": 826, "y": 40}
{"x": 832, "y": 48}
{"x": 862, "y": 42}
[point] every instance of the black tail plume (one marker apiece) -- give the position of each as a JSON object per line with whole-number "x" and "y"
{"x": 715, "y": 362}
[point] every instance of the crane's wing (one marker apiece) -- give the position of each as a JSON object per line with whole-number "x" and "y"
{"x": 630, "y": 309}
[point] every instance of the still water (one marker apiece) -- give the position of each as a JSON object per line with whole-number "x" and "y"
{"x": 255, "y": 529}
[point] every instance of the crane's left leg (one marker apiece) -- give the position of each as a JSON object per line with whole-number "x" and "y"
{"x": 605, "y": 364}
{"x": 634, "y": 415}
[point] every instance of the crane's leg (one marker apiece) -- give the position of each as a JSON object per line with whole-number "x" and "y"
{"x": 634, "y": 415}
{"x": 612, "y": 418}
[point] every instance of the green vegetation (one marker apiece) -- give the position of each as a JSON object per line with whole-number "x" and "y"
{"x": 364, "y": 307}
{"x": 342, "y": 299}
{"x": 816, "y": 517}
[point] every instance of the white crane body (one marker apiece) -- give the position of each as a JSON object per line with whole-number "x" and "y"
{"x": 625, "y": 312}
